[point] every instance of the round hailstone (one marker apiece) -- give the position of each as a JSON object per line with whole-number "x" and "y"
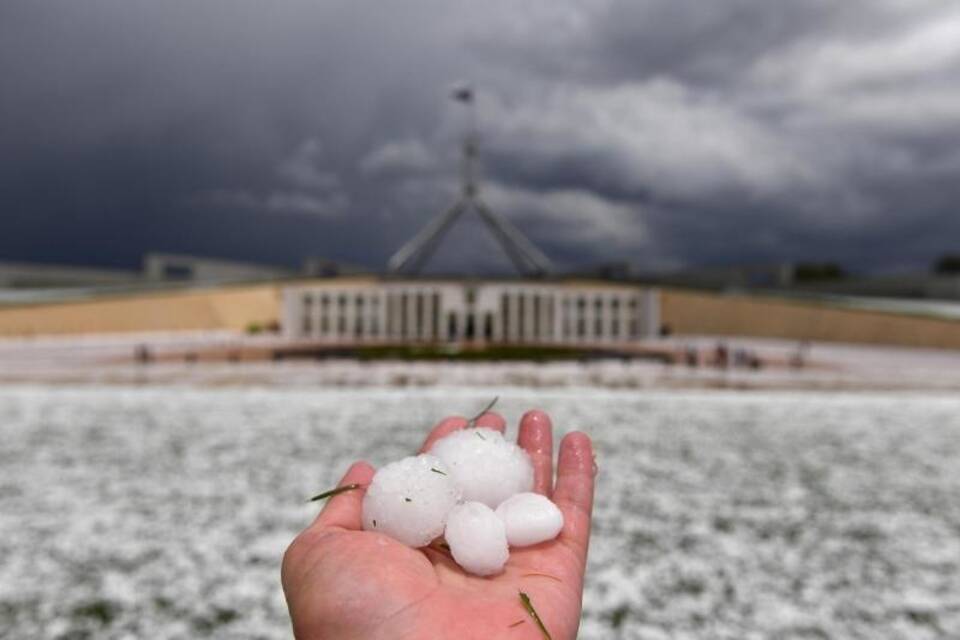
{"x": 409, "y": 500}
{"x": 477, "y": 539}
{"x": 530, "y": 518}
{"x": 485, "y": 466}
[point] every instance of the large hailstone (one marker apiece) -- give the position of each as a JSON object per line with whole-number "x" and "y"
{"x": 409, "y": 500}
{"x": 530, "y": 518}
{"x": 477, "y": 539}
{"x": 485, "y": 466}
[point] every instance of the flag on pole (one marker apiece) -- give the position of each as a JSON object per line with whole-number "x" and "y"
{"x": 463, "y": 93}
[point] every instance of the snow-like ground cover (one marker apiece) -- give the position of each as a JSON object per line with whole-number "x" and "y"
{"x": 163, "y": 512}
{"x": 109, "y": 359}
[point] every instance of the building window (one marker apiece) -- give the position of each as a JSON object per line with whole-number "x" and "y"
{"x": 470, "y": 326}
{"x": 615, "y": 318}
{"x": 598, "y": 316}
{"x": 403, "y": 314}
{"x": 521, "y": 302}
{"x": 451, "y": 326}
{"x": 537, "y": 302}
{"x": 488, "y": 327}
{"x": 550, "y": 311}
{"x": 358, "y": 316}
{"x": 435, "y": 313}
{"x": 391, "y": 327}
{"x": 581, "y": 317}
{"x": 504, "y": 317}
{"x": 374, "y": 316}
{"x": 418, "y": 329}
{"x": 177, "y": 272}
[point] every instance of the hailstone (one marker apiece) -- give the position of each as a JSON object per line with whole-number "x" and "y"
{"x": 530, "y": 518}
{"x": 409, "y": 500}
{"x": 477, "y": 539}
{"x": 486, "y": 467}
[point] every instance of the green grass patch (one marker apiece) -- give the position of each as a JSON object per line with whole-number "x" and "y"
{"x": 493, "y": 352}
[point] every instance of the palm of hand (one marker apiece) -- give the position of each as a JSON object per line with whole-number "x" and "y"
{"x": 344, "y": 583}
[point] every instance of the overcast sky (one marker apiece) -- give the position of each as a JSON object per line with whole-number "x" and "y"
{"x": 664, "y": 132}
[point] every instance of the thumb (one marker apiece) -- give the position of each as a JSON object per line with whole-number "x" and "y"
{"x": 345, "y": 509}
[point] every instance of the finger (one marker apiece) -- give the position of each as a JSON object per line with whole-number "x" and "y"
{"x": 536, "y": 438}
{"x": 492, "y": 420}
{"x": 444, "y": 428}
{"x": 574, "y": 492}
{"x": 345, "y": 509}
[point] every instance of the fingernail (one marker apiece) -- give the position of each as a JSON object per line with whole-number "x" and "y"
{"x": 536, "y": 416}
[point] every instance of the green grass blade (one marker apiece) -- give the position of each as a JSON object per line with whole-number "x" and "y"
{"x": 333, "y": 492}
{"x": 473, "y": 421}
{"x": 525, "y": 599}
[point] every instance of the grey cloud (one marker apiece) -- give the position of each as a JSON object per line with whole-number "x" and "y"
{"x": 662, "y": 131}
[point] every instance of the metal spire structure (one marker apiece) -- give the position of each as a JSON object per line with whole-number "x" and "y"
{"x": 411, "y": 257}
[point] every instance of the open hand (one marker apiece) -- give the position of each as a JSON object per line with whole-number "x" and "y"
{"x": 343, "y": 583}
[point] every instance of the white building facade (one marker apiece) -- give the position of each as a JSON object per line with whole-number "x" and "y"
{"x": 560, "y": 313}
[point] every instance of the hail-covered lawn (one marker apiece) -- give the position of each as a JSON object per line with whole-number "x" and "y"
{"x": 164, "y": 512}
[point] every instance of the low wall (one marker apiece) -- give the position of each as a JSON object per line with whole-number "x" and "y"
{"x": 222, "y": 308}
{"x": 687, "y": 312}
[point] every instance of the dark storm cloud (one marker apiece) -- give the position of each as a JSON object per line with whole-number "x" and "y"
{"x": 666, "y": 132}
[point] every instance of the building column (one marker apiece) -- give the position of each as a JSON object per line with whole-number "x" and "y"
{"x": 396, "y": 335}
{"x": 398, "y": 317}
{"x": 605, "y": 318}
{"x": 527, "y": 301}
{"x": 513, "y": 317}
{"x": 587, "y": 319}
{"x": 546, "y": 333}
{"x": 411, "y": 315}
{"x": 346, "y": 334}
{"x": 416, "y": 300}
{"x": 387, "y": 312}
{"x": 624, "y": 319}
{"x": 383, "y": 335}
{"x": 558, "y": 309}
{"x": 293, "y": 313}
{"x": 650, "y": 305}
{"x": 368, "y": 316}
{"x": 316, "y": 310}
{"x": 428, "y": 315}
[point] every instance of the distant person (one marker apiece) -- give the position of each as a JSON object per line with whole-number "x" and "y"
{"x": 740, "y": 357}
{"x": 721, "y": 355}
{"x": 142, "y": 354}
{"x": 342, "y": 582}
{"x": 692, "y": 356}
{"x": 799, "y": 358}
